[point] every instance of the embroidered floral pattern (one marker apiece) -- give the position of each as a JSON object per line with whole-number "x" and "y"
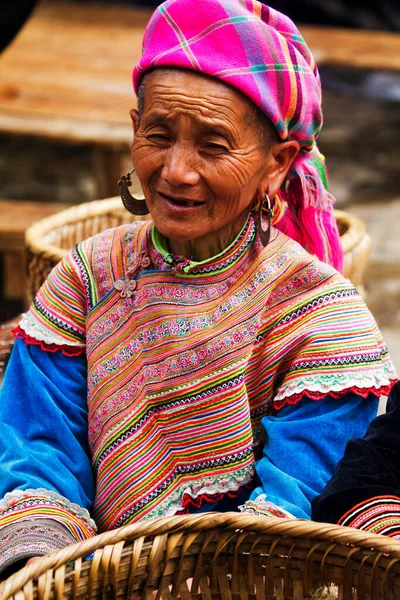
{"x": 336, "y": 384}
{"x": 35, "y": 522}
{"x": 207, "y": 488}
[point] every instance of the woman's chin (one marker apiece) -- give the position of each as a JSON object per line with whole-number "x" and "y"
{"x": 179, "y": 229}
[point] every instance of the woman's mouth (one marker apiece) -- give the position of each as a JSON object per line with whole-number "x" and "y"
{"x": 180, "y": 203}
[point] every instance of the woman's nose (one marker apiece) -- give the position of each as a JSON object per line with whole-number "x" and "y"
{"x": 180, "y": 168}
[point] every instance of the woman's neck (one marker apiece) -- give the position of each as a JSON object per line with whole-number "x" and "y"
{"x": 210, "y": 245}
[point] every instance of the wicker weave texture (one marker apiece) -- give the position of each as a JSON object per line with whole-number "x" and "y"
{"x": 48, "y": 240}
{"x": 217, "y": 556}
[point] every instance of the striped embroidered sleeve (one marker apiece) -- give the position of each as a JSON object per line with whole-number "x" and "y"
{"x": 324, "y": 341}
{"x": 56, "y": 318}
{"x": 36, "y": 522}
{"x": 380, "y": 514}
{"x": 46, "y": 480}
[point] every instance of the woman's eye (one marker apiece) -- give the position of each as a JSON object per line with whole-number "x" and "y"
{"x": 158, "y": 137}
{"x": 216, "y": 148}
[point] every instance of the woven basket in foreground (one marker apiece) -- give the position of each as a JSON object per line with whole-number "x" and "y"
{"x": 217, "y": 556}
{"x": 49, "y": 240}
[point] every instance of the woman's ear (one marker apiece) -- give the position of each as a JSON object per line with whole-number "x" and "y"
{"x": 135, "y": 119}
{"x": 282, "y": 155}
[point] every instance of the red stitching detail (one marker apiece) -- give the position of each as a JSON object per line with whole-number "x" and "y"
{"x": 189, "y": 502}
{"x": 66, "y": 350}
{"x": 363, "y": 392}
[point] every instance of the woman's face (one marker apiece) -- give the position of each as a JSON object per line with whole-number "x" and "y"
{"x": 199, "y": 161}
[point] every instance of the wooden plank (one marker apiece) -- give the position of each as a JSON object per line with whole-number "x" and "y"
{"x": 359, "y": 48}
{"x": 108, "y": 167}
{"x": 17, "y": 216}
{"x": 68, "y": 73}
{"x": 14, "y": 283}
{"x": 68, "y": 130}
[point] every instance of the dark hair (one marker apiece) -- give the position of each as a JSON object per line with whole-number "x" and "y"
{"x": 266, "y": 131}
{"x": 140, "y": 98}
{"x": 254, "y": 116}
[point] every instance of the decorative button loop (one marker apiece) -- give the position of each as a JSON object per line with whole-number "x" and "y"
{"x": 126, "y": 287}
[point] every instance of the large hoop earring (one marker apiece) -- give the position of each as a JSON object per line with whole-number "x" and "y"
{"x": 264, "y": 234}
{"x": 136, "y": 204}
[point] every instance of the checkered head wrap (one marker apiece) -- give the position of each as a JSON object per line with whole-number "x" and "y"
{"x": 259, "y": 51}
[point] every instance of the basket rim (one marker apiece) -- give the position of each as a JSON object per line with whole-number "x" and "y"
{"x": 95, "y": 208}
{"x": 205, "y": 522}
{"x": 352, "y": 237}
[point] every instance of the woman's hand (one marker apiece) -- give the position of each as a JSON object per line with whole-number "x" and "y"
{"x": 32, "y": 560}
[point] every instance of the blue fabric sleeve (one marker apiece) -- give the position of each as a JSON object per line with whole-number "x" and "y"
{"x": 303, "y": 446}
{"x": 44, "y": 424}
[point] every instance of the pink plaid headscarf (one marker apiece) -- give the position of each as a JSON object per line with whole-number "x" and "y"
{"x": 259, "y": 51}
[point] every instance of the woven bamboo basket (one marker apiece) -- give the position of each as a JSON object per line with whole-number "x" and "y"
{"x": 48, "y": 240}
{"x": 217, "y": 556}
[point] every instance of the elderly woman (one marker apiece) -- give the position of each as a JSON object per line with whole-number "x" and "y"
{"x": 210, "y": 358}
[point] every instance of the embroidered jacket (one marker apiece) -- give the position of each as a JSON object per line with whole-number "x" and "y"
{"x": 184, "y": 361}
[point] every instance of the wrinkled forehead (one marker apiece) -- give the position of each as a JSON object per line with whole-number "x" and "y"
{"x": 166, "y": 93}
{"x": 206, "y": 84}
{"x": 173, "y": 87}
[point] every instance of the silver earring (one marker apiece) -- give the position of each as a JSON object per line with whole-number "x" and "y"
{"x": 135, "y": 204}
{"x": 264, "y": 234}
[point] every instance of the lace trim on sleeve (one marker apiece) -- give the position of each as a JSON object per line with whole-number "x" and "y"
{"x": 318, "y": 386}
{"x": 66, "y": 350}
{"x": 32, "y": 332}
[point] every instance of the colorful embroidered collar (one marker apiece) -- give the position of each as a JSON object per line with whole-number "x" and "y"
{"x": 220, "y": 262}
